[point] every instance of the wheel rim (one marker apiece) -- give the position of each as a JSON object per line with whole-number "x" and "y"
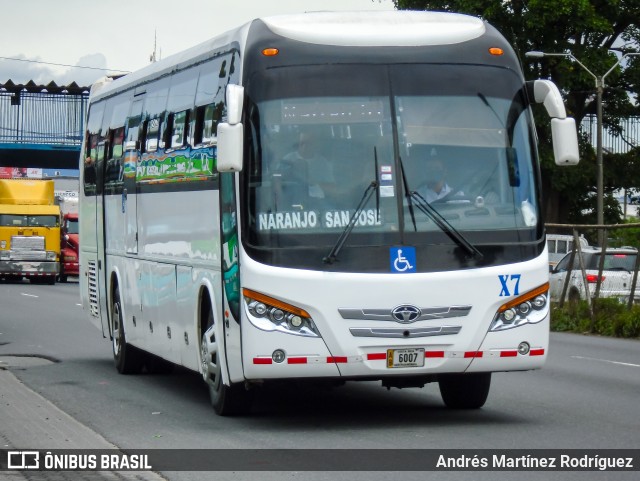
{"x": 209, "y": 357}
{"x": 116, "y": 328}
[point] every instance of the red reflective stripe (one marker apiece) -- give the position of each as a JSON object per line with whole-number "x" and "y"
{"x": 434, "y": 354}
{"x": 536, "y": 352}
{"x": 473, "y": 354}
{"x": 297, "y": 360}
{"x": 262, "y": 360}
{"x": 378, "y": 356}
{"x": 338, "y": 359}
{"x": 508, "y": 353}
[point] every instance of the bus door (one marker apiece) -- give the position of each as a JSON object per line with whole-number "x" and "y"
{"x": 129, "y": 197}
{"x": 100, "y": 166}
{"x": 91, "y": 284}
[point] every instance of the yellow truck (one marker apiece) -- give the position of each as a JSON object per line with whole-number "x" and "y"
{"x": 29, "y": 230}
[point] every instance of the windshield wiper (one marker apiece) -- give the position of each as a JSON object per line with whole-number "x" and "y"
{"x": 371, "y": 188}
{"x": 422, "y": 204}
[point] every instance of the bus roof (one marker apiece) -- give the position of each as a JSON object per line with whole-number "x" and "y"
{"x": 377, "y": 29}
{"x": 360, "y": 29}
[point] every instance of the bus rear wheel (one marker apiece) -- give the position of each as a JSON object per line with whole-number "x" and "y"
{"x": 226, "y": 400}
{"x": 127, "y": 358}
{"x": 465, "y": 391}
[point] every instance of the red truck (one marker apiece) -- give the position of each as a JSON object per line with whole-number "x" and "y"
{"x": 69, "y": 239}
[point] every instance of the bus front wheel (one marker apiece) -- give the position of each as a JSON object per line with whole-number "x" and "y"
{"x": 465, "y": 391}
{"x": 226, "y": 400}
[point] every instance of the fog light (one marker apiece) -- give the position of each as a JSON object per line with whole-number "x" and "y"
{"x": 524, "y": 348}
{"x": 278, "y": 356}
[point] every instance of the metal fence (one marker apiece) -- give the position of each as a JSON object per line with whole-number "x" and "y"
{"x": 616, "y": 144}
{"x": 41, "y": 118}
{"x": 587, "y": 272}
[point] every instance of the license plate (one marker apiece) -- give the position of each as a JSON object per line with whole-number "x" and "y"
{"x": 405, "y": 358}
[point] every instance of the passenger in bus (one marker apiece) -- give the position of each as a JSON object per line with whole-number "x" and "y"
{"x": 306, "y": 157}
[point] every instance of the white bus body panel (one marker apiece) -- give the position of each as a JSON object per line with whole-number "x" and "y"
{"x": 323, "y": 294}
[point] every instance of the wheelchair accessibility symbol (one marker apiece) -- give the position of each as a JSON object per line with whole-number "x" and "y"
{"x": 403, "y": 259}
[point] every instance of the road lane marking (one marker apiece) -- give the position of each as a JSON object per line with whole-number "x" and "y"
{"x": 28, "y": 295}
{"x": 606, "y": 360}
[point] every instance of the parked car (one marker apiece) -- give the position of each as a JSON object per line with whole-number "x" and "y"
{"x": 561, "y": 244}
{"x": 617, "y": 275}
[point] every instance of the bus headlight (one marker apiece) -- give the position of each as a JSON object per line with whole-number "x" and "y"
{"x": 270, "y": 314}
{"x": 51, "y": 256}
{"x": 529, "y": 308}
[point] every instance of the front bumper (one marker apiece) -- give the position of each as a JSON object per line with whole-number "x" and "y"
{"x": 28, "y": 268}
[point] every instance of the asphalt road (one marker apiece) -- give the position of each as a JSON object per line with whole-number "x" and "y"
{"x": 586, "y": 397}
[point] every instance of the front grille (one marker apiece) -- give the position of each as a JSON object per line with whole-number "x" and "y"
{"x": 27, "y": 242}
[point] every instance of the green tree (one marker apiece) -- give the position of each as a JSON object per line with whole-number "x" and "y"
{"x": 595, "y": 32}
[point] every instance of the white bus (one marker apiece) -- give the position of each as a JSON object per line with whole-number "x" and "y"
{"x": 254, "y": 208}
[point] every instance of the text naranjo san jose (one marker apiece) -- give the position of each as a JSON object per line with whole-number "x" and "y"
{"x": 312, "y": 219}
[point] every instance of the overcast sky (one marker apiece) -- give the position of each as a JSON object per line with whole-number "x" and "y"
{"x": 119, "y": 34}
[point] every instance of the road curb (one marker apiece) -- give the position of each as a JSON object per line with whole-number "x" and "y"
{"x": 29, "y": 421}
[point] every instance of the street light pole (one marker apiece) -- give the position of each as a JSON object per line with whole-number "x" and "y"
{"x": 599, "y": 148}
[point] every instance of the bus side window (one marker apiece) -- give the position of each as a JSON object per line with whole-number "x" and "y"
{"x": 90, "y": 163}
{"x": 179, "y": 129}
{"x": 167, "y": 130}
{"x": 176, "y": 128}
{"x": 152, "y": 134}
{"x": 114, "y": 162}
{"x": 212, "y": 114}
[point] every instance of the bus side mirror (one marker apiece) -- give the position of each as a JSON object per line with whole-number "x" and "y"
{"x": 565, "y": 141}
{"x": 563, "y": 129}
{"x": 229, "y": 149}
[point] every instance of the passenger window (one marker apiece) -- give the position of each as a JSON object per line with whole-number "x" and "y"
{"x": 133, "y": 133}
{"x": 153, "y": 131}
{"x": 90, "y": 162}
{"x": 117, "y": 143}
{"x": 180, "y": 127}
{"x": 205, "y": 124}
{"x": 114, "y": 163}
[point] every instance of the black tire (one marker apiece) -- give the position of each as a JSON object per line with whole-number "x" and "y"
{"x": 127, "y": 358}
{"x": 226, "y": 400}
{"x": 465, "y": 391}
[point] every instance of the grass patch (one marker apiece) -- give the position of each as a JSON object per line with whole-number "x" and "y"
{"x": 610, "y": 318}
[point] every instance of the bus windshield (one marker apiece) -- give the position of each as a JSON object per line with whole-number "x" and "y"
{"x": 456, "y": 137}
